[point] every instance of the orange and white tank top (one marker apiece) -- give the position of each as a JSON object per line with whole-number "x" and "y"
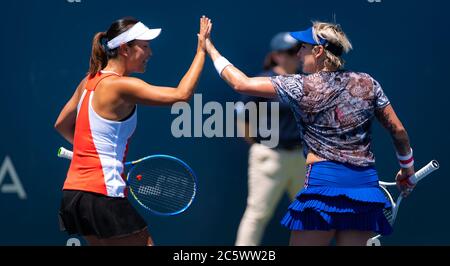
{"x": 99, "y": 147}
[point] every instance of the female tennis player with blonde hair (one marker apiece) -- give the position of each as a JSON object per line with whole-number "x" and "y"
{"x": 99, "y": 120}
{"x": 334, "y": 108}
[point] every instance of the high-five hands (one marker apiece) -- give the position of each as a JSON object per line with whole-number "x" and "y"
{"x": 205, "y": 30}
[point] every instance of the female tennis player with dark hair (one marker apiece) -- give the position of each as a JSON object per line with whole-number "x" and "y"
{"x": 334, "y": 108}
{"x": 99, "y": 121}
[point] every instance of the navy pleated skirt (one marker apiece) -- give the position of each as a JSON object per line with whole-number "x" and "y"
{"x": 341, "y": 197}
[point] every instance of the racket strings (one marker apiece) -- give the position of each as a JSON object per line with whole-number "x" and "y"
{"x": 388, "y": 212}
{"x": 159, "y": 203}
{"x": 168, "y": 193}
{"x": 162, "y": 185}
{"x": 174, "y": 185}
{"x": 172, "y": 179}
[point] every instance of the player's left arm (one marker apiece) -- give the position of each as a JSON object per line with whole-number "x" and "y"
{"x": 65, "y": 124}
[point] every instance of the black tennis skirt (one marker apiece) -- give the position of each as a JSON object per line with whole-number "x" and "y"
{"x": 87, "y": 213}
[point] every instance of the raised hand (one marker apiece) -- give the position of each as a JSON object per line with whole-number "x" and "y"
{"x": 209, "y": 45}
{"x": 212, "y": 51}
{"x": 205, "y": 30}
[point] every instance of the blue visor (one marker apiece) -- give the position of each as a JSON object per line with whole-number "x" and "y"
{"x": 306, "y": 36}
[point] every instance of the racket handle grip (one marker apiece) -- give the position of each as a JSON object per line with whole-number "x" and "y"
{"x": 424, "y": 171}
{"x": 65, "y": 153}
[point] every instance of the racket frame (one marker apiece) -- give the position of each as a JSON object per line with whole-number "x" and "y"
{"x": 67, "y": 154}
{"x": 164, "y": 156}
{"x": 414, "y": 179}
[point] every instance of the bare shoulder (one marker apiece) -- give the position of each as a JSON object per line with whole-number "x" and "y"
{"x": 125, "y": 83}
{"x": 115, "y": 83}
{"x": 80, "y": 88}
{"x": 82, "y": 84}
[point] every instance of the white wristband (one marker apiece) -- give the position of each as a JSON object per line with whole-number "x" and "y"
{"x": 220, "y": 64}
{"x": 408, "y": 165}
{"x": 405, "y": 157}
{"x": 406, "y": 161}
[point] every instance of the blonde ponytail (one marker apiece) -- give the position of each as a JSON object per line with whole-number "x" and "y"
{"x": 336, "y": 38}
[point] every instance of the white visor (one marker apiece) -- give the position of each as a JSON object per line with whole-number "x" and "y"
{"x": 138, "y": 32}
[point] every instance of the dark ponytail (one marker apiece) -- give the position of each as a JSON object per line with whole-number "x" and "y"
{"x": 99, "y": 59}
{"x": 100, "y": 52}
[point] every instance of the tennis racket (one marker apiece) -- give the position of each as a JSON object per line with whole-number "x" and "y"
{"x": 391, "y": 213}
{"x": 162, "y": 184}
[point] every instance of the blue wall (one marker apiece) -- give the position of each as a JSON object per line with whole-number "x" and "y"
{"x": 45, "y": 53}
